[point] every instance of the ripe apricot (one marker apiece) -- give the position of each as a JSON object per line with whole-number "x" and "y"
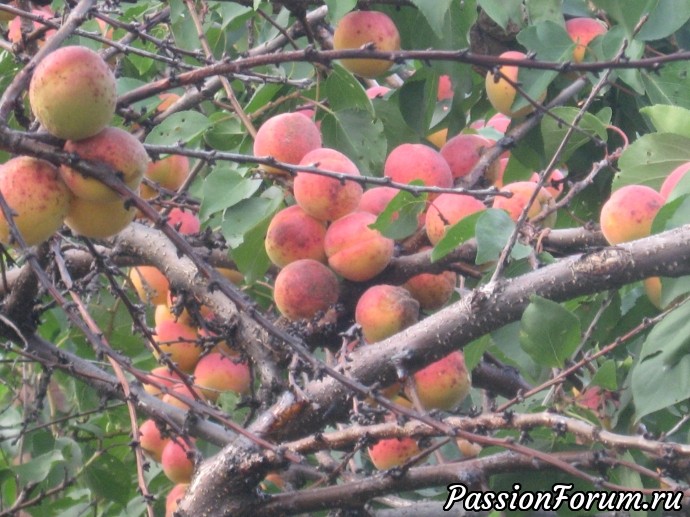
{"x": 384, "y": 310}
{"x": 151, "y": 440}
{"x": 500, "y": 92}
{"x": 628, "y": 214}
{"x": 216, "y": 373}
{"x": 303, "y": 288}
{"x": 150, "y": 284}
{"x": 463, "y": 151}
{"x": 409, "y": 162}
{"x": 522, "y": 191}
{"x": 582, "y": 31}
{"x": 98, "y": 219}
{"x": 432, "y": 291}
{"x": 179, "y": 342}
{"x": 177, "y": 461}
{"x": 446, "y": 210}
{"x": 444, "y": 383}
{"x": 292, "y": 235}
{"x": 287, "y": 138}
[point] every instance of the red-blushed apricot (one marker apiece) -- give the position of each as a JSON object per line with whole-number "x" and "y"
{"x": 287, "y": 138}
{"x": 174, "y": 497}
{"x": 376, "y": 92}
{"x": 409, "y": 162}
{"x": 98, "y": 219}
{"x": 354, "y": 250}
{"x": 179, "y": 394}
{"x": 522, "y": 192}
{"x": 160, "y": 377}
{"x": 446, "y": 210}
{"x": 293, "y": 235}
{"x": 113, "y": 147}
{"x": 187, "y": 223}
{"x": 375, "y": 200}
{"x": 169, "y": 173}
{"x": 582, "y": 31}
{"x": 392, "y": 452}
{"x": 672, "y": 180}
{"x": 358, "y": 28}
{"x": 323, "y": 197}
{"x": 151, "y": 440}
{"x": 303, "y": 288}
{"x": 178, "y": 341}
{"x": 73, "y": 93}
{"x": 384, "y": 310}
{"x": 554, "y": 184}
{"x": 463, "y": 151}
{"x": 500, "y": 92}
{"x": 37, "y": 196}
{"x": 216, "y": 373}
{"x": 162, "y": 312}
{"x": 628, "y": 214}
{"x": 177, "y": 461}
{"x": 14, "y": 28}
{"x": 432, "y": 291}
{"x": 652, "y": 287}
{"x": 443, "y": 384}
{"x": 445, "y": 88}
{"x": 150, "y": 284}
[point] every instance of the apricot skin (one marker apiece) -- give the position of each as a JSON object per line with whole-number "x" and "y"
{"x": 522, "y": 190}
{"x": 384, "y": 310}
{"x": 446, "y": 210}
{"x": 73, "y": 93}
{"x": 356, "y": 251}
{"x": 176, "y": 463}
{"x": 444, "y": 383}
{"x": 582, "y": 31}
{"x": 171, "y": 501}
{"x": 628, "y": 214}
{"x": 501, "y": 93}
{"x": 151, "y": 441}
{"x": 392, "y": 452}
{"x": 409, "y": 162}
{"x": 287, "y": 138}
{"x": 303, "y": 288}
{"x": 432, "y": 291}
{"x": 322, "y": 197}
{"x": 98, "y": 219}
{"x": 179, "y": 342}
{"x": 114, "y": 147}
{"x": 37, "y": 196}
{"x": 216, "y": 373}
{"x": 150, "y": 284}
{"x": 359, "y": 28}
{"x": 159, "y": 377}
{"x": 169, "y": 172}
{"x": 462, "y": 152}
{"x": 292, "y": 235}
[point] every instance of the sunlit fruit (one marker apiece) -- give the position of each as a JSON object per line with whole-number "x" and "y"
{"x": 629, "y": 213}
{"x": 303, "y": 288}
{"x": 286, "y": 138}
{"x": 384, "y": 310}
{"x": 582, "y": 31}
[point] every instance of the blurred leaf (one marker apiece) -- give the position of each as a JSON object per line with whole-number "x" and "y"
{"x": 247, "y": 214}
{"x": 475, "y": 350}
{"x": 553, "y": 131}
{"x": 183, "y": 127}
{"x": 400, "y": 218}
{"x": 339, "y": 8}
{"x": 110, "y": 479}
{"x": 417, "y": 100}
{"x": 250, "y": 256}
{"x": 224, "y": 188}
{"x": 669, "y": 85}
{"x": 666, "y": 18}
{"x": 669, "y": 119}
{"x": 359, "y": 136}
{"x": 549, "y": 333}
{"x": 662, "y": 377}
{"x": 544, "y": 10}
{"x": 435, "y": 12}
{"x": 494, "y": 228}
{"x": 344, "y": 91}
{"x": 605, "y": 376}
{"x": 503, "y": 12}
{"x": 38, "y": 468}
{"x": 626, "y": 12}
{"x": 649, "y": 159}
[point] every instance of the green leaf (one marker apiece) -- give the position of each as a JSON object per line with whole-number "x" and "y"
{"x": 553, "y": 131}
{"x": 38, "y": 468}
{"x": 357, "y": 135}
{"x": 339, "y": 8}
{"x": 225, "y": 133}
{"x": 605, "y": 376}
{"x": 417, "y": 100}
{"x": 670, "y": 85}
{"x": 109, "y": 478}
{"x": 503, "y": 12}
{"x": 626, "y": 12}
{"x": 475, "y": 350}
{"x": 549, "y": 333}
{"x": 344, "y": 91}
{"x": 247, "y": 214}
{"x": 224, "y": 188}
{"x": 662, "y": 377}
{"x": 455, "y": 235}
{"x": 649, "y": 159}
{"x": 494, "y": 228}
{"x": 184, "y": 127}
{"x": 250, "y": 256}
{"x": 669, "y": 119}
{"x": 435, "y": 12}
{"x": 667, "y": 17}
{"x": 400, "y": 218}
{"x": 544, "y": 10}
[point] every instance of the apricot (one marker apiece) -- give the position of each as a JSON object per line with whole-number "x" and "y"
{"x": 409, "y": 162}
{"x": 499, "y": 122}
{"x": 216, "y": 373}
{"x": 287, "y": 138}
{"x": 672, "y": 180}
{"x": 160, "y": 377}
{"x": 652, "y": 288}
{"x": 442, "y": 384}
{"x": 392, "y": 452}
{"x": 463, "y": 151}
{"x": 169, "y": 173}
{"x": 292, "y": 235}
{"x": 359, "y": 28}
{"x": 37, "y": 197}
{"x": 446, "y": 210}
{"x": 522, "y": 191}
{"x": 150, "y": 284}
{"x": 445, "y": 88}
{"x": 151, "y": 440}
{"x": 432, "y": 291}
{"x": 174, "y": 497}
{"x": 582, "y": 31}
{"x": 98, "y": 219}
{"x": 322, "y": 197}
{"x": 179, "y": 342}
{"x": 500, "y": 92}
{"x": 177, "y": 461}
{"x": 554, "y": 184}
{"x": 354, "y": 250}
{"x": 14, "y": 28}
{"x": 375, "y": 200}
{"x": 185, "y": 222}
{"x": 73, "y": 93}
{"x": 182, "y": 390}
{"x": 303, "y": 288}
{"x": 113, "y": 147}
{"x": 377, "y": 92}
{"x": 628, "y": 214}
{"x": 384, "y": 310}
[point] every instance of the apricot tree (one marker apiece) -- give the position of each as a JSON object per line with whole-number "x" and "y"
{"x": 339, "y": 281}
